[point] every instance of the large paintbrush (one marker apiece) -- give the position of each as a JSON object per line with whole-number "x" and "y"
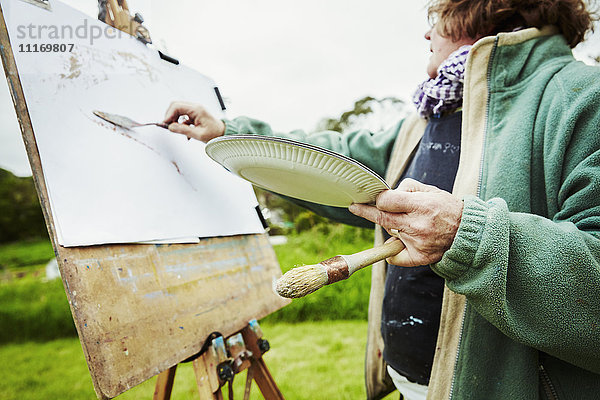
{"x": 300, "y": 281}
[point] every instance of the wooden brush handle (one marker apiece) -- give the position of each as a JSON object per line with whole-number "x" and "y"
{"x": 367, "y": 257}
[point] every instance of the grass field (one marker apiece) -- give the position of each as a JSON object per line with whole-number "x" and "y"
{"x": 34, "y": 309}
{"x": 317, "y": 343}
{"x": 309, "y": 361}
{"x": 346, "y": 300}
{"x": 27, "y": 258}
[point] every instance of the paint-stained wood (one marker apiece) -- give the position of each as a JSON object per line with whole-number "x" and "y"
{"x": 164, "y": 384}
{"x": 144, "y": 308}
{"x": 141, "y": 309}
{"x": 205, "y": 370}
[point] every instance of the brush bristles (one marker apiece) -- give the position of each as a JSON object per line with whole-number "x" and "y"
{"x": 300, "y": 281}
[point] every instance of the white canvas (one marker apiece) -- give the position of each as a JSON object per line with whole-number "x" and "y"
{"x": 106, "y": 184}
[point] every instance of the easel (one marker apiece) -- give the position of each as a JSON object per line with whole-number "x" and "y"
{"x": 124, "y": 334}
{"x": 221, "y": 361}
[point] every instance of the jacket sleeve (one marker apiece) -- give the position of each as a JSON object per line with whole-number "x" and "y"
{"x": 535, "y": 278}
{"x": 369, "y": 148}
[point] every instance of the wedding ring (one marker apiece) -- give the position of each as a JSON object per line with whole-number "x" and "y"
{"x": 394, "y": 232}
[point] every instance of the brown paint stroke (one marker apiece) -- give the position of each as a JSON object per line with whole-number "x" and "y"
{"x": 74, "y": 68}
{"x": 125, "y": 132}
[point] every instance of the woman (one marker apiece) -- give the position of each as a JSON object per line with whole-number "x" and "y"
{"x": 502, "y": 230}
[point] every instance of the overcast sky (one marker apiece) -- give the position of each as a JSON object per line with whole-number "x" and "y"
{"x": 288, "y": 63}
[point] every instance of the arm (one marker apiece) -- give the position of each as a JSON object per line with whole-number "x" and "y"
{"x": 371, "y": 149}
{"x": 537, "y": 279}
{"x": 368, "y": 148}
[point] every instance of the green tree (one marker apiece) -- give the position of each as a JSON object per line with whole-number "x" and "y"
{"x": 368, "y": 112}
{"x": 20, "y": 213}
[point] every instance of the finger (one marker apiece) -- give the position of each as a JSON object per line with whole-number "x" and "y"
{"x": 396, "y": 201}
{"x": 398, "y": 245}
{"x": 393, "y": 239}
{"x": 412, "y": 185}
{"x": 401, "y": 259}
{"x": 173, "y": 112}
{"x": 390, "y": 240}
{"x": 394, "y": 232}
{"x": 182, "y": 129}
{"x": 361, "y": 210}
{"x": 176, "y": 110}
{"x": 373, "y": 214}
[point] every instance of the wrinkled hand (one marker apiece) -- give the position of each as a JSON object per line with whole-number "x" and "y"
{"x": 197, "y": 123}
{"x": 425, "y": 217}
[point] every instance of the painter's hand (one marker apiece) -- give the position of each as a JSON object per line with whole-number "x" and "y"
{"x": 197, "y": 123}
{"x": 426, "y": 218}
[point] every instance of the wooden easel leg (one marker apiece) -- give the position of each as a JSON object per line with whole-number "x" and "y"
{"x": 260, "y": 372}
{"x": 265, "y": 381}
{"x": 164, "y": 384}
{"x": 249, "y": 378}
{"x": 206, "y": 379}
{"x": 246, "y": 354}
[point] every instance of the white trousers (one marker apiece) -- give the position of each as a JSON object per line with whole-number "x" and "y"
{"x": 410, "y": 390}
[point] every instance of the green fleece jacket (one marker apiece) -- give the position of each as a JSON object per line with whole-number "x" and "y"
{"x": 521, "y": 318}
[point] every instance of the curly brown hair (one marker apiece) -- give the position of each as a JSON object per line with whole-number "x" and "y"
{"x": 478, "y": 18}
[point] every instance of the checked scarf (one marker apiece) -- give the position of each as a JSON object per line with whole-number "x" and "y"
{"x": 445, "y": 91}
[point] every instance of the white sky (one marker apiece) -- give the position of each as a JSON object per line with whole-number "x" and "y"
{"x": 288, "y": 63}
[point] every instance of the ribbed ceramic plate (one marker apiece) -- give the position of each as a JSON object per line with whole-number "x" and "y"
{"x": 297, "y": 169}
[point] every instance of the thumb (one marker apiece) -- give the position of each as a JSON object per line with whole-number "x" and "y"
{"x": 182, "y": 129}
{"x": 401, "y": 259}
{"x": 411, "y": 185}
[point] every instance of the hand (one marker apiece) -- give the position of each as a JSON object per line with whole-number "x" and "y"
{"x": 200, "y": 124}
{"x": 425, "y": 217}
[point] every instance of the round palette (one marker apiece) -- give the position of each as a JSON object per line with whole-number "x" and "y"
{"x": 295, "y": 169}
